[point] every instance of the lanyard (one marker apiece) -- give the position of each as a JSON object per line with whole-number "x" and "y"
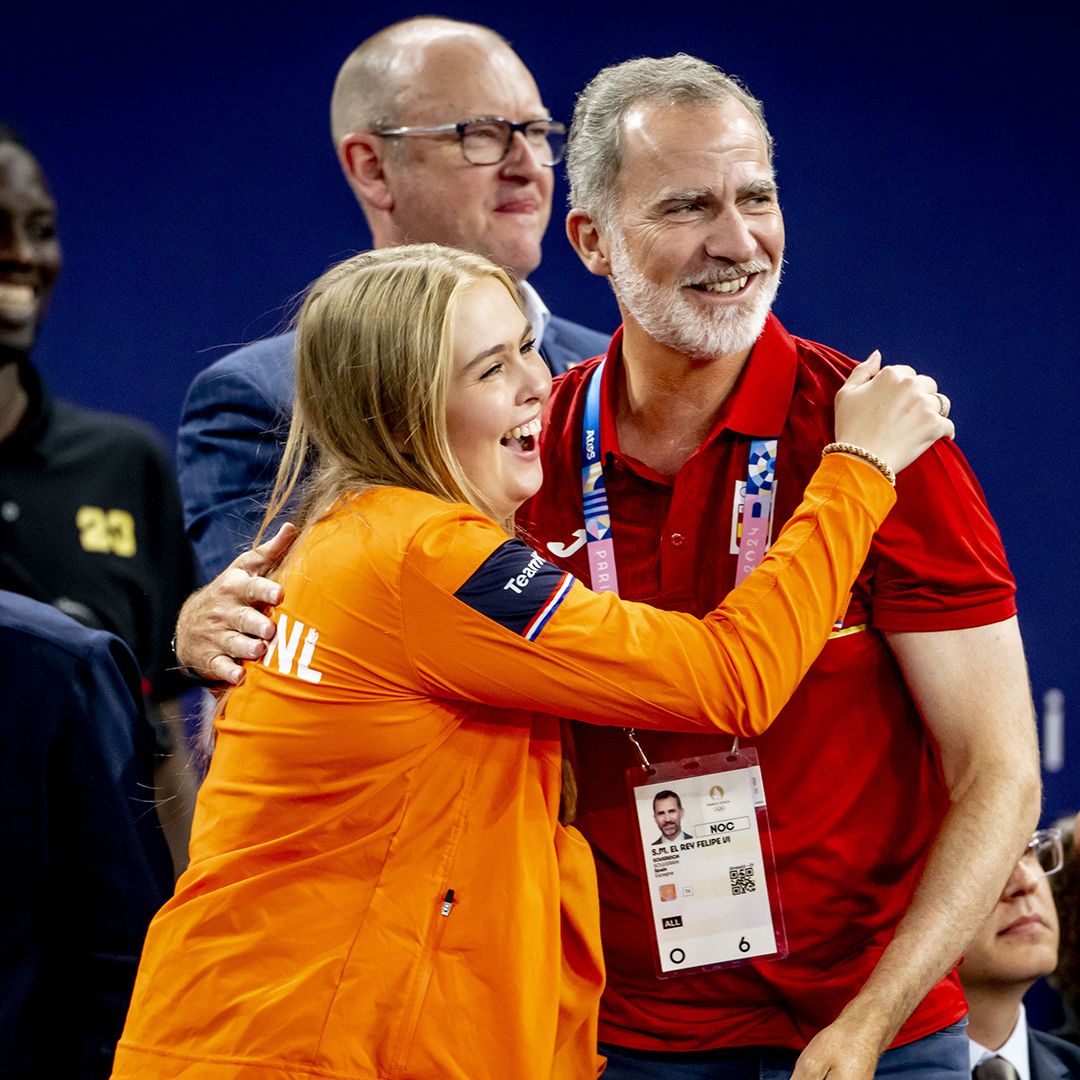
{"x": 756, "y": 518}
{"x": 755, "y": 534}
{"x": 599, "y": 541}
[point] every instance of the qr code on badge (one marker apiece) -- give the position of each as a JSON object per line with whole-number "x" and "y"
{"x": 742, "y": 879}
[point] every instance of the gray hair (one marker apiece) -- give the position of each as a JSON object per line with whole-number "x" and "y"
{"x": 595, "y": 144}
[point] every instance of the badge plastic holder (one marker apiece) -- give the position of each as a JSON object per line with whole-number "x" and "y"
{"x": 711, "y": 885}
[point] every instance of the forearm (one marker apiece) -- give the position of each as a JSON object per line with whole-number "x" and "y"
{"x": 972, "y": 689}
{"x": 782, "y": 613}
{"x": 971, "y": 859}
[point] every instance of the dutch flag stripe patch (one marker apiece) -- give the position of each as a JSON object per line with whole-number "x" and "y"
{"x": 540, "y": 621}
{"x": 517, "y": 588}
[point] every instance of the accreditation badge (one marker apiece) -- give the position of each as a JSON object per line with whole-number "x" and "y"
{"x": 707, "y": 862}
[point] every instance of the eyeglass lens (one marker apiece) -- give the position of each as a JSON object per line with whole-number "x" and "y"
{"x": 1046, "y": 851}
{"x": 487, "y": 142}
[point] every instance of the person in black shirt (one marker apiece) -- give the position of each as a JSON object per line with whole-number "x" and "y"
{"x": 90, "y": 518}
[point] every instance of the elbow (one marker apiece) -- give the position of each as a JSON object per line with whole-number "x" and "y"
{"x": 763, "y": 706}
{"x": 758, "y": 707}
{"x": 1026, "y": 784}
{"x": 753, "y": 720}
{"x": 1030, "y": 795}
{"x": 1011, "y": 781}
{"x": 743, "y": 721}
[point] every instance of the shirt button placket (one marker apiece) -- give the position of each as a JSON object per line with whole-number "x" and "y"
{"x": 677, "y": 553}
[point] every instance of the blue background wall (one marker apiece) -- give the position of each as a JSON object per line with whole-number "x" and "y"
{"x": 926, "y": 163}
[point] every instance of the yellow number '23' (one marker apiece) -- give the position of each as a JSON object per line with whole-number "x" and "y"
{"x": 108, "y": 531}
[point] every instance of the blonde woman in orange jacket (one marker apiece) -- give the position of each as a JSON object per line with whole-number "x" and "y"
{"x": 380, "y": 885}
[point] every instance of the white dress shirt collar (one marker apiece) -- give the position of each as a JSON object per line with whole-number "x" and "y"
{"x": 1014, "y": 1050}
{"x": 536, "y": 311}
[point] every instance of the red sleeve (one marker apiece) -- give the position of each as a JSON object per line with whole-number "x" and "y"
{"x": 939, "y": 562}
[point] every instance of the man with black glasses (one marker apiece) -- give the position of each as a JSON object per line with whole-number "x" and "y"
{"x": 1017, "y": 945}
{"x": 443, "y": 137}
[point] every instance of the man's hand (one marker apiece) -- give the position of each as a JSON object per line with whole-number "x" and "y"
{"x": 845, "y": 1050}
{"x": 223, "y": 623}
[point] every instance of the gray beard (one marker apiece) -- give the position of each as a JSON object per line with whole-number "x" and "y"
{"x": 668, "y": 317}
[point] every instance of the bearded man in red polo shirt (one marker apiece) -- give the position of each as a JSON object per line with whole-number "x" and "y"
{"x": 912, "y": 736}
{"x": 901, "y": 778}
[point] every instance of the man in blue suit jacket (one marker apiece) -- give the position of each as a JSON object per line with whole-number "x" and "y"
{"x": 405, "y": 118}
{"x": 1017, "y": 945}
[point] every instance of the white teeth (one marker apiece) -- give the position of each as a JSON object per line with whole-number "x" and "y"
{"x": 16, "y": 299}
{"x": 523, "y": 430}
{"x": 727, "y": 286}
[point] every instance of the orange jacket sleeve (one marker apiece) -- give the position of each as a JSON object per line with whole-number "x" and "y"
{"x": 597, "y": 658}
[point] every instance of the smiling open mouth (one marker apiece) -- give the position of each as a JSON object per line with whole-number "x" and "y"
{"x": 16, "y": 301}
{"x": 525, "y": 435}
{"x": 729, "y": 286}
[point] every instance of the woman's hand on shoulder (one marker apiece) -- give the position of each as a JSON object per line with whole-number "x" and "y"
{"x": 894, "y": 412}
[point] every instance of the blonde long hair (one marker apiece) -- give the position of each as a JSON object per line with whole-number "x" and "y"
{"x": 374, "y": 352}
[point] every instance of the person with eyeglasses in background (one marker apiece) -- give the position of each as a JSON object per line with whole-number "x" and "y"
{"x": 443, "y": 137}
{"x": 1066, "y": 889}
{"x": 1016, "y": 946}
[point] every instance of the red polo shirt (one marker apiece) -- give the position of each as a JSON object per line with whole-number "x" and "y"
{"x": 854, "y": 789}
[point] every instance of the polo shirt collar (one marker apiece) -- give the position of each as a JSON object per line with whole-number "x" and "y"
{"x": 758, "y": 403}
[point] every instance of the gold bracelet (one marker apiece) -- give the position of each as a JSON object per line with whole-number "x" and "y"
{"x": 861, "y": 452}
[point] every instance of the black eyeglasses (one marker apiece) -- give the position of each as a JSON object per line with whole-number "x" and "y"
{"x": 487, "y": 141}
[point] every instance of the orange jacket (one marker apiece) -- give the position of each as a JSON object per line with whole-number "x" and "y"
{"x": 379, "y": 885}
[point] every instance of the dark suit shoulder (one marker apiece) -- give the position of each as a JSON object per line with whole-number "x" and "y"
{"x": 1052, "y": 1058}
{"x": 29, "y": 619}
{"x": 566, "y": 343}
{"x": 266, "y": 366}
